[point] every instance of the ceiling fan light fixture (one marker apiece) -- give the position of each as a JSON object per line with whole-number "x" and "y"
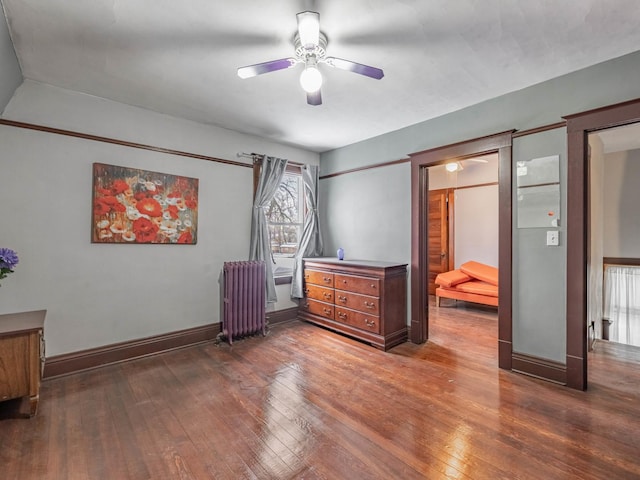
{"x": 311, "y": 79}
{"x": 309, "y": 28}
{"x": 310, "y": 47}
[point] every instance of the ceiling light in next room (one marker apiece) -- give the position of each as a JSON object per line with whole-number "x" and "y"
{"x": 453, "y": 166}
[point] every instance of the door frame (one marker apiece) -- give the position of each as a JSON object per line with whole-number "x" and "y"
{"x": 420, "y": 162}
{"x": 579, "y": 126}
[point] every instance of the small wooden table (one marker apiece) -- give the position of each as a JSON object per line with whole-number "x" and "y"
{"x": 22, "y": 356}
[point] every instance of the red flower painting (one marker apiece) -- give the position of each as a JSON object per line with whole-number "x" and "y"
{"x": 150, "y": 206}
{"x": 138, "y": 206}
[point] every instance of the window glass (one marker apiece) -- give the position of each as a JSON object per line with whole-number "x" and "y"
{"x": 285, "y": 216}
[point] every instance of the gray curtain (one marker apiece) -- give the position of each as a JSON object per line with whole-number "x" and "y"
{"x": 271, "y": 173}
{"x": 311, "y": 240}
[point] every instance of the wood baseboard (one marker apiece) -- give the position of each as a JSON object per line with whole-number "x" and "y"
{"x": 280, "y": 316}
{"x": 539, "y": 367}
{"x": 118, "y": 352}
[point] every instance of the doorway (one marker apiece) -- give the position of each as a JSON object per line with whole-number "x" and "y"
{"x": 613, "y": 295}
{"x": 578, "y": 244}
{"x": 420, "y": 163}
{"x": 463, "y": 214}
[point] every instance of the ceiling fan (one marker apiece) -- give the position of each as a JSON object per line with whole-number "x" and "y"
{"x": 310, "y": 49}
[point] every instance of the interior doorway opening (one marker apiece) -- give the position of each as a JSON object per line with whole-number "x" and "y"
{"x": 613, "y": 269}
{"x": 462, "y": 215}
{"x": 579, "y": 126}
{"x": 613, "y": 295}
{"x": 499, "y": 145}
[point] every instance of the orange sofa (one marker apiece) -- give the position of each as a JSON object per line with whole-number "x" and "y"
{"x": 473, "y": 282}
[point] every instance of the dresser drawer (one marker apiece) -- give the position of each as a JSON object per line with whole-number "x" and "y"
{"x": 318, "y": 308}
{"x": 359, "y": 320}
{"x": 356, "y": 301}
{"x": 316, "y": 277}
{"x": 316, "y": 292}
{"x": 365, "y": 285}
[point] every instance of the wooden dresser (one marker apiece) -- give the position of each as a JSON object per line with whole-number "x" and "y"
{"x": 364, "y": 299}
{"x": 22, "y": 356}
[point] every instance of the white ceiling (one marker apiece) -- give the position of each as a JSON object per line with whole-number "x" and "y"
{"x": 180, "y": 57}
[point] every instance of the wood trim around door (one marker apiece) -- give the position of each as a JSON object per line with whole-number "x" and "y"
{"x": 420, "y": 161}
{"x": 578, "y": 128}
{"x": 419, "y": 331}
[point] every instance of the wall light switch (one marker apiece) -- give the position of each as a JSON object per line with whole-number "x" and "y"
{"x": 553, "y": 238}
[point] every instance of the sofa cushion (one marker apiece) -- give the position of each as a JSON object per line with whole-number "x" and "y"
{"x": 478, "y": 287}
{"x": 481, "y": 271}
{"x": 452, "y": 278}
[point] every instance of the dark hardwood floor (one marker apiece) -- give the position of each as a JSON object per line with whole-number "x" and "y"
{"x": 307, "y": 403}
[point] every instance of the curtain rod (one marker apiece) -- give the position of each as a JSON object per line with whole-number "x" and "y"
{"x": 256, "y": 156}
{"x": 250, "y": 155}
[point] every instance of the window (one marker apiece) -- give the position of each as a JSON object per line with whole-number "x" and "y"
{"x": 285, "y": 216}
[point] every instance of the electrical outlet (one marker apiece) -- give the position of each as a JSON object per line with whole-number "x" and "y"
{"x": 553, "y": 238}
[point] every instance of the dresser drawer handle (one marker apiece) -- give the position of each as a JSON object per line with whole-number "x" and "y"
{"x": 326, "y": 279}
{"x": 373, "y": 285}
{"x": 342, "y": 298}
{"x": 326, "y": 311}
{"x": 306, "y": 290}
{"x": 343, "y": 316}
{"x": 327, "y": 296}
{"x": 369, "y": 305}
{"x": 369, "y": 323}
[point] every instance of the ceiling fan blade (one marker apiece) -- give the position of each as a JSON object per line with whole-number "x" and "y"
{"x": 350, "y": 66}
{"x": 266, "y": 67}
{"x": 314, "y": 98}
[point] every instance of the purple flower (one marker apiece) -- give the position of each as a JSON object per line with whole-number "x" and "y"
{"x": 8, "y": 258}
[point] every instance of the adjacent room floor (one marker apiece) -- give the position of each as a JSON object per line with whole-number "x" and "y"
{"x": 307, "y": 403}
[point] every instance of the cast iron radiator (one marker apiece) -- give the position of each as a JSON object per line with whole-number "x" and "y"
{"x": 244, "y": 299}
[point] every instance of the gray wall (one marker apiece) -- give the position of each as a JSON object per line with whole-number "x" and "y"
{"x": 621, "y": 204}
{"x": 10, "y": 72}
{"x": 99, "y": 294}
{"x": 475, "y": 208}
{"x": 365, "y": 214}
{"x": 539, "y": 271}
{"x": 476, "y": 225}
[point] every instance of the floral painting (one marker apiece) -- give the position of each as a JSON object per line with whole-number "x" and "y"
{"x": 138, "y": 206}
